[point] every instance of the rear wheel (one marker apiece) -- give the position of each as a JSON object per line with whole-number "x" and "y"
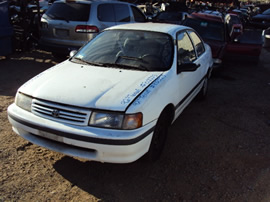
{"x": 203, "y": 92}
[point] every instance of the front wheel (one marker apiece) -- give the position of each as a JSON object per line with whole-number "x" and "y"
{"x": 159, "y": 138}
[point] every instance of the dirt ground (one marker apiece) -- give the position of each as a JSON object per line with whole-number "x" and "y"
{"x": 217, "y": 150}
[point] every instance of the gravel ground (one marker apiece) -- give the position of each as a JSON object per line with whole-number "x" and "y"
{"x": 217, "y": 150}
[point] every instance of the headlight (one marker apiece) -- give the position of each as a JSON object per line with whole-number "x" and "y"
{"x": 23, "y": 101}
{"x": 115, "y": 120}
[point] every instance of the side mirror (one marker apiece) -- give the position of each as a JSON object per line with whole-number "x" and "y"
{"x": 72, "y": 53}
{"x": 187, "y": 67}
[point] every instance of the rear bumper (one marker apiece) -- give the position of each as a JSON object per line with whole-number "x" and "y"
{"x": 97, "y": 144}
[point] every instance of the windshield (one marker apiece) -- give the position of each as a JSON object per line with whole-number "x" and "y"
{"x": 128, "y": 49}
{"x": 207, "y": 29}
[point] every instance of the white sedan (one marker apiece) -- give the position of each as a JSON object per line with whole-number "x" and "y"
{"x": 114, "y": 100}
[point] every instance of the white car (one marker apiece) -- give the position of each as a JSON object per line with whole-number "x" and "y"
{"x": 114, "y": 100}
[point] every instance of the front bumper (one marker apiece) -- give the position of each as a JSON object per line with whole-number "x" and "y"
{"x": 97, "y": 144}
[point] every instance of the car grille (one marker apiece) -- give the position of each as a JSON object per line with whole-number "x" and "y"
{"x": 61, "y": 113}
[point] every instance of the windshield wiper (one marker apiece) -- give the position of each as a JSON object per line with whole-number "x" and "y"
{"x": 128, "y": 58}
{"x": 112, "y": 65}
{"x": 124, "y": 66}
{"x": 88, "y": 63}
{"x": 140, "y": 66}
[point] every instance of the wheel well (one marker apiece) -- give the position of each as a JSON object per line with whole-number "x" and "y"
{"x": 169, "y": 111}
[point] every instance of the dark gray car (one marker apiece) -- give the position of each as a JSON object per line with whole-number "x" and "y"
{"x": 261, "y": 20}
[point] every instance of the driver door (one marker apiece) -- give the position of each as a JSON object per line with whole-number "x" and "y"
{"x": 188, "y": 81}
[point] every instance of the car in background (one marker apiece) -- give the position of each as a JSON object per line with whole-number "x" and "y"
{"x": 174, "y": 17}
{"x": 262, "y": 20}
{"x": 243, "y": 16}
{"x": 266, "y": 34}
{"x": 225, "y": 36}
{"x": 114, "y": 100}
{"x": 68, "y": 25}
{"x": 43, "y": 3}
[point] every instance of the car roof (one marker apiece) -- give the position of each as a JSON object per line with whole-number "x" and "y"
{"x": 266, "y": 12}
{"x": 208, "y": 15}
{"x": 149, "y": 26}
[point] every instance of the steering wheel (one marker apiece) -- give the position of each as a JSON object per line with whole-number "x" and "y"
{"x": 153, "y": 60}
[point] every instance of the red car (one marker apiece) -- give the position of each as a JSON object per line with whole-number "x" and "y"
{"x": 225, "y": 36}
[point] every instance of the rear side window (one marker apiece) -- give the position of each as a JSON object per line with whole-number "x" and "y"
{"x": 121, "y": 13}
{"x": 198, "y": 44}
{"x": 113, "y": 13}
{"x": 138, "y": 16}
{"x": 69, "y": 11}
{"x": 106, "y": 13}
{"x": 186, "y": 52}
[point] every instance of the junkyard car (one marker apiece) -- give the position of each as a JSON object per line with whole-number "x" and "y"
{"x": 114, "y": 100}
{"x": 226, "y": 37}
{"x": 68, "y": 25}
{"x": 266, "y": 34}
{"x": 261, "y": 20}
{"x": 173, "y": 17}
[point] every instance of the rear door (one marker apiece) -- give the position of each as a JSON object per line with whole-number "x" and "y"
{"x": 246, "y": 47}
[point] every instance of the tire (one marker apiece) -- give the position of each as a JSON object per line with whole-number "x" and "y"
{"x": 203, "y": 92}
{"x": 159, "y": 138}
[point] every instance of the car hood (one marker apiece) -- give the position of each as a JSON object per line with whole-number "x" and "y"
{"x": 89, "y": 86}
{"x": 217, "y": 47}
